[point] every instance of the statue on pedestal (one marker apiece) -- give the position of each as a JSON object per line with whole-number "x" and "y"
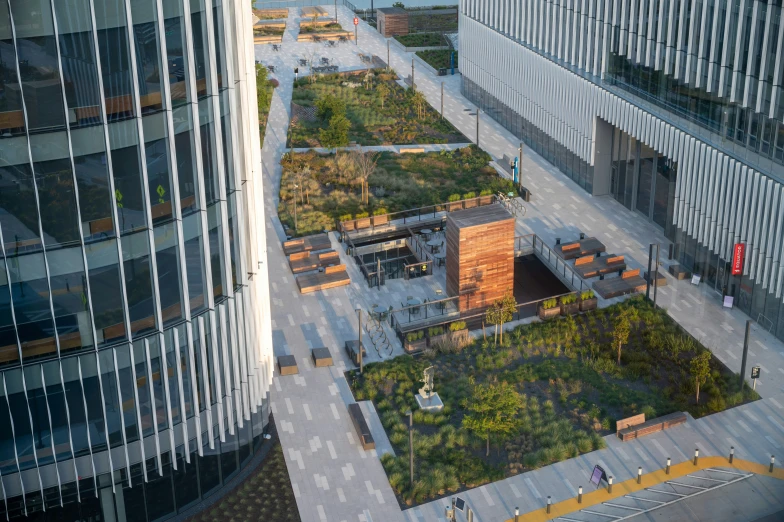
{"x": 427, "y": 391}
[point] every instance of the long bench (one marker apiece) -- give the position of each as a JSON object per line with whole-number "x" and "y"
{"x": 360, "y": 424}
{"x": 583, "y": 247}
{"x": 652, "y": 426}
{"x": 308, "y": 261}
{"x": 331, "y": 277}
{"x": 307, "y": 244}
{"x": 592, "y": 266}
{"x": 630, "y": 282}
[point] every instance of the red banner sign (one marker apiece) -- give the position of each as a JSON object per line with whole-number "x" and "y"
{"x": 356, "y": 21}
{"x": 737, "y": 258}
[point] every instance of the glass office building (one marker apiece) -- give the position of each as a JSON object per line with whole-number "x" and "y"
{"x": 135, "y": 343}
{"x": 675, "y": 108}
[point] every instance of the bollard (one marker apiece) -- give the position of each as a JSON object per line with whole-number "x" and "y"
{"x": 609, "y": 484}
{"x": 549, "y": 503}
{"x": 696, "y": 456}
{"x": 732, "y": 453}
{"x": 669, "y": 461}
{"x": 639, "y": 475}
{"x": 772, "y": 460}
{"x": 580, "y": 494}
{"x": 517, "y": 514}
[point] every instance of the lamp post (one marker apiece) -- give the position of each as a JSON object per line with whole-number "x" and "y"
{"x": 412, "y": 74}
{"x": 411, "y": 446}
{"x": 477, "y": 122}
{"x": 296, "y": 227}
{"x": 359, "y": 347}
{"x": 389, "y": 65}
{"x": 442, "y": 100}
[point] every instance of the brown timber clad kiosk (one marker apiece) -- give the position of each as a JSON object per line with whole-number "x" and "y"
{"x": 392, "y": 21}
{"x": 479, "y": 255}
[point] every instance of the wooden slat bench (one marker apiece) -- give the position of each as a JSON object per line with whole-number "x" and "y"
{"x": 592, "y": 266}
{"x": 630, "y": 282}
{"x": 306, "y": 244}
{"x": 584, "y": 247}
{"x": 412, "y": 150}
{"x": 652, "y": 426}
{"x": 360, "y": 424}
{"x": 331, "y": 277}
{"x": 307, "y": 261}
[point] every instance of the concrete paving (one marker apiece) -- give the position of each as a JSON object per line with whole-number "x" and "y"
{"x": 332, "y": 477}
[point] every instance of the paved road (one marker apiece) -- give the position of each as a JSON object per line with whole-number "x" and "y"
{"x": 333, "y": 479}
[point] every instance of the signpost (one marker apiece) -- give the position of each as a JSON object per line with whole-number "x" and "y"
{"x": 755, "y": 373}
{"x": 737, "y": 258}
{"x": 460, "y": 504}
{"x": 598, "y": 475}
{"x": 356, "y": 23}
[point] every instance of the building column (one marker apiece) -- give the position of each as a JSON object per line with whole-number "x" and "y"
{"x": 602, "y": 157}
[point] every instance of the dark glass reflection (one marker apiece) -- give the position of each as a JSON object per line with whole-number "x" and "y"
{"x": 92, "y": 398}
{"x": 7, "y": 451}
{"x": 127, "y": 392}
{"x": 11, "y": 115}
{"x": 39, "y": 414}
{"x": 138, "y": 283}
{"x": 18, "y": 208}
{"x": 111, "y": 399}
{"x": 20, "y": 415}
{"x": 80, "y": 77}
{"x": 76, "y": 410}
{"x": 9, "y": 352}
{"x": 106, "y": 291}
{"x": 30, "y": 294}
{"x": 169, "y": 286}
{"x": 55, "y": 395}
{"x": 92, "y": 178}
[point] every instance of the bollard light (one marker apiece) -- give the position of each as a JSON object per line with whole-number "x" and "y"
{"x": 517, "y": 514}
{"x": 549, "y": 503}
{"x": 772, "y": 460}
{"x": 609, "y": 484}
{"x": 732, "y": 453}
{"x": 696, "y": 456}
{"x": 579, "y": 494}
{"x": 639, "y": 475}
{"x": 669, "y": 461}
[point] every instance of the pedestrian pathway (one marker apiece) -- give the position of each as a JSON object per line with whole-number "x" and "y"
{"x": 333, "y": 478}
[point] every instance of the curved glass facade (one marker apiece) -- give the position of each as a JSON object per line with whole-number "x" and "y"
{"x": 134, "y": 365}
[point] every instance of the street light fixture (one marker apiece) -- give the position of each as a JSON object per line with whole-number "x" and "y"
{"x": 478, "y": 110}
{"x": 296, "y": 227}
{"x": 411, "y": 446}
{"x": 359, "y": 342}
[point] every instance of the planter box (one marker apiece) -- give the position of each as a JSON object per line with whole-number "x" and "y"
{"x": 416, "y": 346}
{"x": 454, "y": 206}
{"x": 485, "y": 200}
{"x": 587, "y": 305}
{"x": 275, "y": 38}
{"x": 363, "y": 223}
{"x": 380, "y": 220}
{"x": 549, "y": 313}
{"x": 570, "y": 309}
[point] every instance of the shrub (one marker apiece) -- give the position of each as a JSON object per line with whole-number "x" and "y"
{"x": 486, "y": 192}
{"x": 568, "y": 299}
{"x": 457, "y": 326}
{"x": 436, "y": 330}
{"x": 380, "y": 211}
{"x": 361, "y": 215}
{"x": 469, "y": 195}
{"x": 547, "y": 304}
{"x": 345, "y": 217}
{"x": 454, "y": 197}
{"x": 586, "y": 294}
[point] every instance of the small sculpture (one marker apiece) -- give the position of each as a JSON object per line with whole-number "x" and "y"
{"x": 426, "y": 391}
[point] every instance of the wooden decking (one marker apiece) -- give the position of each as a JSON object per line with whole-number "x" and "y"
{"x": 584, "y": 247}
{"x": 592, "y": 266}
{"x": 629, "y": 283}
{"x": 308, "y": 261}
{"x": 307, "y": 244}
{"x": 331, "y": 277}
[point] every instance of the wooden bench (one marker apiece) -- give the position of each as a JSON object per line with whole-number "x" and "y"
{"x": 630, "y": 282}
{"x": 412, "y": 150}
{"x": 306, "y": 244}
{"x": 321, "y": 357}
{"x": 360, "y": 424}
{"x": 592, "y": 266}
{"x": 331, "y": 277}
{"x": 584, "y": 247}
{"x": 307, "y": 261}
{"x": 652, "y": 426}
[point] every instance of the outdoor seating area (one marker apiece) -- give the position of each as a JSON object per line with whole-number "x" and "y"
{"x": 308, "y": 261}
{"x": 596, "y": 265}
{"x": 629, "y": 282}
{"x": 305, "y": 244}
{"x": 583, "y": 247}
{"x": 331, "y": 277}
{"x": 640, "y": 429}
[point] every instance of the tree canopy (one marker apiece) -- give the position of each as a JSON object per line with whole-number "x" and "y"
{"x": 492, "y": 410}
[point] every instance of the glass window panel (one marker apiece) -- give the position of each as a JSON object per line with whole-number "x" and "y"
{"x": 127, "y": 395}
{"x": 76, "y": 412}
{"x": 171, "y": 375}
{"x": 211, "y": 364}
{"x": 92, "y": 179}
{"x": 209, "y": 469}
{"x": 93, "y": 401}
{"x": 228, "y": 161}
{"x": 20, "y": 415}
{"x": 30, "y": 294}
{"x": 80, "y": 74}
{"x": 111, "y": 399}
{"x": 156, "y": 371}
{"x": 158, "y": 171}
{"x": 176, "y": 54}
{"x": 69, "y": 299}
{"x": 18, "y": 208}
{"x": 11, "y": 115}
{"x": 148, "y": 65}
{"x": 138, "y": 282}
{"x": 198, "y": 365}
{"x": 106, "y": 291}
{"x": 169, "y": 284}
{"x": 186, "y": 479}
{"x": 194, "y": 261}
{"x": 57, "y": 410}
{"x": 228, "y": 455}
{"x": 200, "y": 49}
{"x": 159, "y": 492}
{"x": 209, "y": 162}
{"x": 216, "y": 250}
{"x": 129, "y": 191}
{"x": 134, "y": 496}
{"x": 7, "y": 448}
{"x": 36, "y": 398}
{"x": 186, "y": 159}
{"x": 185, "y": 370}
{"x": 113, "y": 48}
{"x": 143, "y": 388}
{"x": 645, "y": 182}
{"x": 9, "y": 351}
{"x": 39, "y": 71}
{"x": 221, "y": 55}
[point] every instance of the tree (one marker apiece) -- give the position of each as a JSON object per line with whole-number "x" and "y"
{"x": 262, "y": 87}
{"x": 622, "y": 328}
{"x": 420, "y": 102}
{"x": 700, "y": 369}
{"x": 492, "y": 411}
{"x": 364, "y": 166}
{"x": 383, "y": 92}
{"x": 507, "y": 308}
{"x": 301, "y": 175}
{"x": 336, "y": 134}
{"x": 493, "y": 316}
{"x": 329, "y": 106}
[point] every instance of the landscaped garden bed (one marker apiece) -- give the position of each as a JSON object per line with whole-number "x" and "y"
{"x": 271, "y": 14}
{"x": 380, "y": 111}
{"x": 306, "y": 27}
{"x": 264, "y": 496}
{"x": 422, "y": 40}
{"x": 264, "y": 88}
{"x": 438, "y": 58}
{"x": 330, "y": 186}
{"x": 548, "y": 392}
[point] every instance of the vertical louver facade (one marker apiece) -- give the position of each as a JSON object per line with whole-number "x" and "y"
{"x": 135, "y": 342}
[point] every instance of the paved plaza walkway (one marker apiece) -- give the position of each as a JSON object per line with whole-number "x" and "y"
{"x": 333, "y": 478}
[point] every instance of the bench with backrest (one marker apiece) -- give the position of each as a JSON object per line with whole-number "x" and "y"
{"x": 306, "y": 244}
{"x": 331, "y": 277}
{"x": 592, "y": 266}
{"x": 361, "y": 425}
{"x": 652, "y": 426}
{"x": 629, "y": 282}
{"x": 583, "y": 247}
{"x": 308, "y": 261}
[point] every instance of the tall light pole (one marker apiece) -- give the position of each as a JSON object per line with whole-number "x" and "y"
{"x": 442, "y": 100}
{"x": 412, "y": 74}
{"x": 389, "y": 65}
{"x": 478, "y": 110}
{"x": 359, "y": 347}
{"x": 411, "y": 446}
{"x": 296, "y": 227}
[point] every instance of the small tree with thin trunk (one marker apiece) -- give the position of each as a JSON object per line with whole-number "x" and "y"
{"x": 420, "y": 102}
{"x": 365, "y": 166}
{"x": 493, "y": 316}
{"x": 492, "y": 411}
{"x": 507, "y": 309}
{"x": 700, "y": 370}
{"x": 622, "y": 327}
{"x": 383, "y": 92}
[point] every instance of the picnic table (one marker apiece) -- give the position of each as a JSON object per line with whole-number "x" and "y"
{"x": 325, "y": 61}
{"x": 426, "y": 232}
{"x": 276, "y": 47}
{"x": 343, "y": 39}
{"x": 440, "y": 258}
{"x": 583, "y": 247}
{"x": 433, "y": 243}
{"x": 303, "y": 62}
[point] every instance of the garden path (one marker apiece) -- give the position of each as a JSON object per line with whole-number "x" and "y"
{"x": 333, "y": 479}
